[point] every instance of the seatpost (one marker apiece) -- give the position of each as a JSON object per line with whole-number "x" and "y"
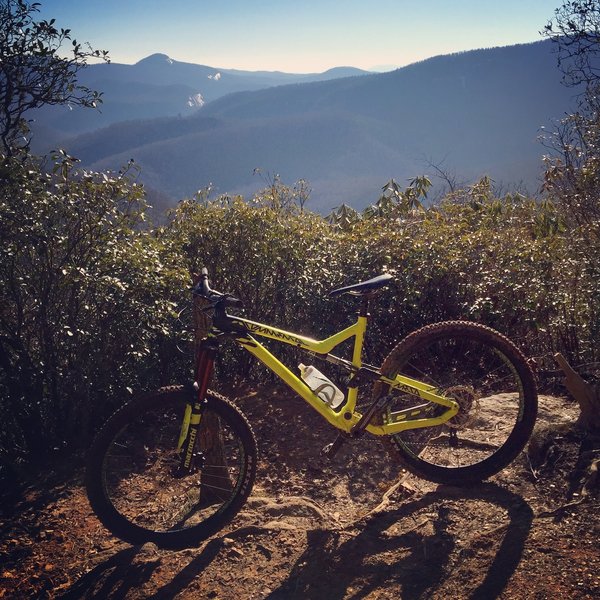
{"x": 364, "y": 306}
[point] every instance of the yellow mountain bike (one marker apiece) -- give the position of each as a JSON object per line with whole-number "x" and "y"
{"x": 455, "y": 401}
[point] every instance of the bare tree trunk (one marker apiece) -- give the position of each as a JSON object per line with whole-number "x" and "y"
{"x": 216, "y": 484}
{"x": 200, "y": 318}
{"x": 587, "y": 396}
{"x": 572, "y": 449}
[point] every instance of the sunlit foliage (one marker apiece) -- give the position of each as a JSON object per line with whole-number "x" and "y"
{"x": 92, "y": 295}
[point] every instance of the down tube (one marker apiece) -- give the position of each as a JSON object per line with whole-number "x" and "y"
{"x": 265, "y": 357}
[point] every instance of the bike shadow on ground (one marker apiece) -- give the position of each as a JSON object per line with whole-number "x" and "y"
{"x": 129, "y": 569}
{"x": 340, "y": 564}
{"x": 334, "y": 566}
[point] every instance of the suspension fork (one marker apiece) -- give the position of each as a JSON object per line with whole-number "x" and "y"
{"x": 193, "y": 411}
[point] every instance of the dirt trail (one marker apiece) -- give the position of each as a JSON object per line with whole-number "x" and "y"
{"x": 312, "y": 531}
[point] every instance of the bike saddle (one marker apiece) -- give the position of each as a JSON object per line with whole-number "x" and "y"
{"x": 364, "y": 287}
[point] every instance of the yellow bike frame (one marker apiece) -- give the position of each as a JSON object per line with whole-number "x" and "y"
{"x": 346, "y": 417}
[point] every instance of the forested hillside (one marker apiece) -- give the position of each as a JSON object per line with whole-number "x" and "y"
{"x": 470, "y": 114}
{"x": 157, "y": 86}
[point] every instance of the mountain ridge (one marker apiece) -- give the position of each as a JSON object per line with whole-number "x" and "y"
{"x": 158, "y": 86}
{"x": 476, "y": 113}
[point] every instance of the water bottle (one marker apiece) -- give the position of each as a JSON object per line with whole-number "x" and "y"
{"x": 321, "y": 386}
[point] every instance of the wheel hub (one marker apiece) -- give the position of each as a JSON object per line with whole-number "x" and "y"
{"x": 468, "y": 406}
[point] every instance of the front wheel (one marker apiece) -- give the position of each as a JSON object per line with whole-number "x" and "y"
{"x": 492, "y": 383}
{"x": 132, "y": 477}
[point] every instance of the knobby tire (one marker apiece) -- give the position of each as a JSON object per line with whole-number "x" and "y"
{"x": 494, "y": 386}
{"x": 131, "y": 476}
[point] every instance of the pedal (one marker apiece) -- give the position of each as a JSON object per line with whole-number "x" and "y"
{"x": 331, "y": 449}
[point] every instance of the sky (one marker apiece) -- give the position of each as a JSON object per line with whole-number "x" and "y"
{"x": 298, "y": 36}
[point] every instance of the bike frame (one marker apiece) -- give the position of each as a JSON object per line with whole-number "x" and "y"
{"x": 346, "y": 418}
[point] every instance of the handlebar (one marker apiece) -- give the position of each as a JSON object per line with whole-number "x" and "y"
{"x": 217, "y": 299}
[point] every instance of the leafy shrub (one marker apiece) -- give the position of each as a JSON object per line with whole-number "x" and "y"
{"x": 85, "y": 300}
{"x": 507, "y": 262}
{"x": 90, "y": 293}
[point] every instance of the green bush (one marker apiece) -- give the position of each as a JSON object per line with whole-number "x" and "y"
{"x": 86, "y": 302}
{"x": 507, "y": 262}
{"x": 90, "y": 293}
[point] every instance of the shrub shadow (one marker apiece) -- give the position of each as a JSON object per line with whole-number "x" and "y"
{"x": 330, "y": 565}
{"x": 113, "y": 578}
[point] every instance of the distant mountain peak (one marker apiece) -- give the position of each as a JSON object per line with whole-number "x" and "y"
{"x": 344, "y": 69}
{"x": 156, "y": 58}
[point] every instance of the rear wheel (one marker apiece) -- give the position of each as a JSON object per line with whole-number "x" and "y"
{"x": 493, "y": 385}
{"x": 132, "y": 475}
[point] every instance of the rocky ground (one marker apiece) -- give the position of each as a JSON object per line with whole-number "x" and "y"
{"x": 357, "y": 528}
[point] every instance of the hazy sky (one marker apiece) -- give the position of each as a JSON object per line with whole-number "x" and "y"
{"x": 298, "y": 35}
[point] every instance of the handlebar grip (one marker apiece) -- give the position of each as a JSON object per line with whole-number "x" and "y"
{"x": 204, "y": 284}
{"x": 202, "y": 288}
